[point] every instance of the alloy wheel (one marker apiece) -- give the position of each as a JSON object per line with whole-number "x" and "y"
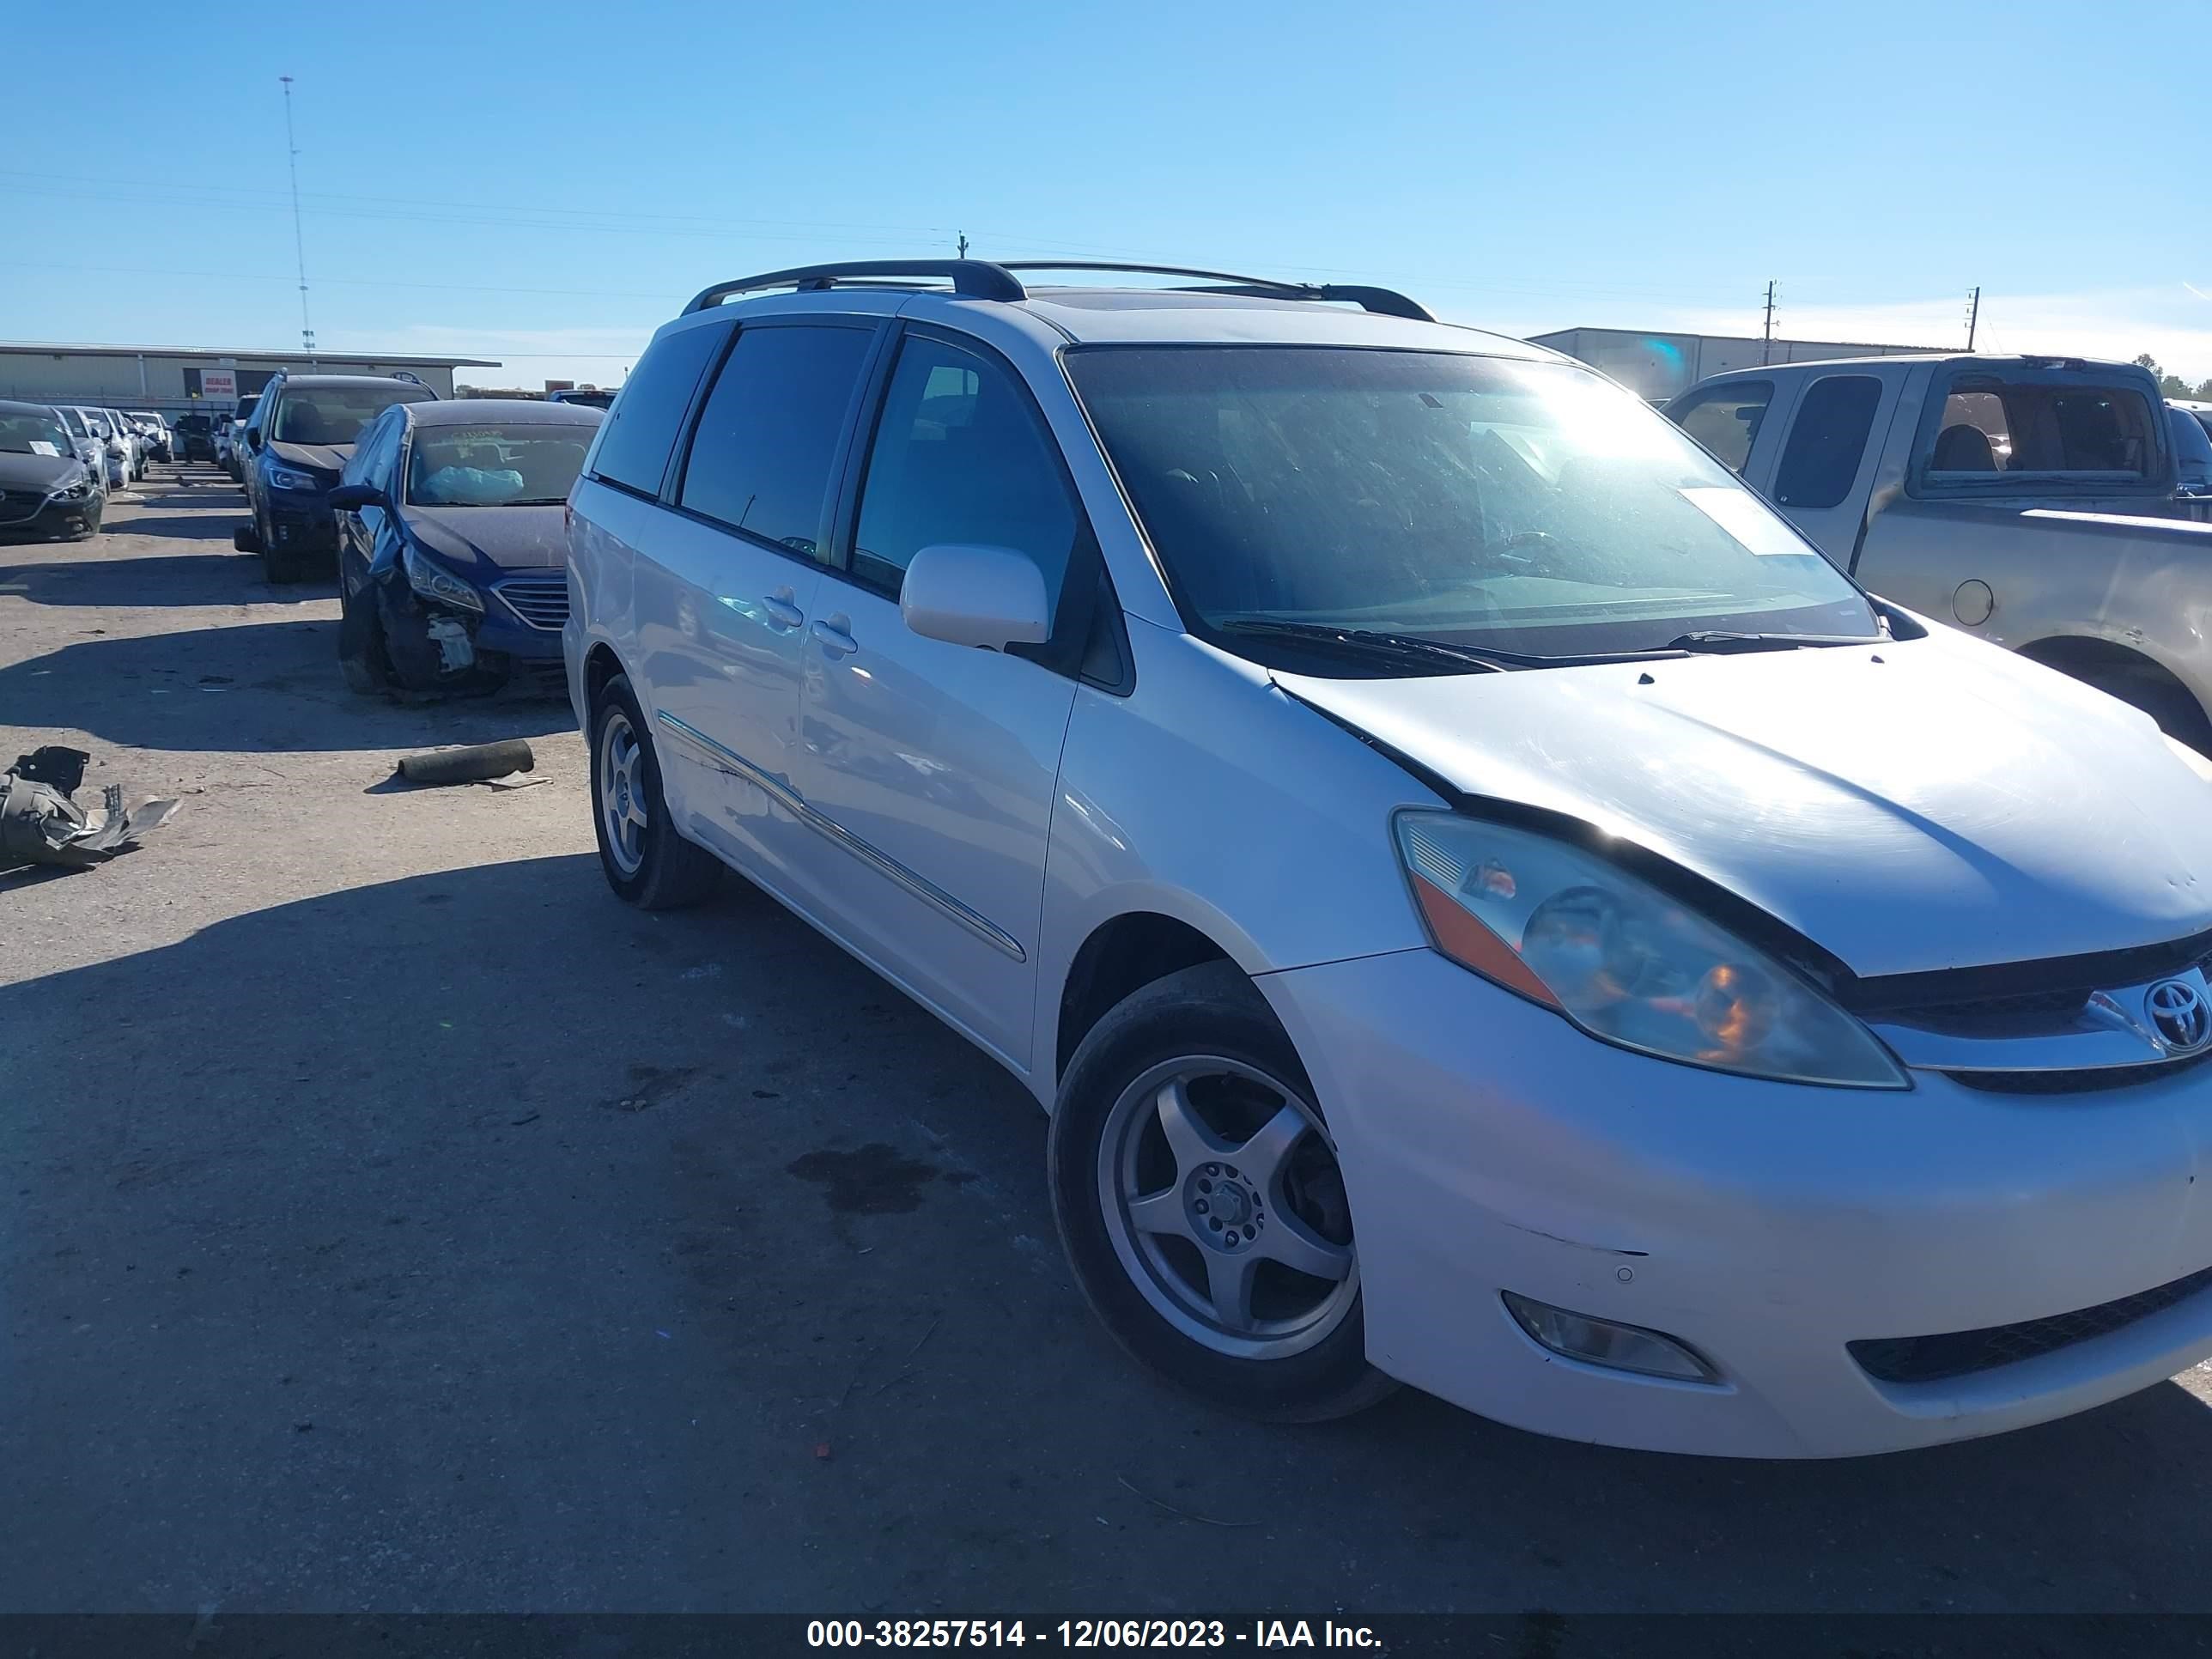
{"x": 622, "y": 802}
{"x": 1221, "y": 1194}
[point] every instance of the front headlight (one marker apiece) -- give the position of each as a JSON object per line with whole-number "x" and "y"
{"x": 432, "y": 582}
{"x": 1623, "y": 960}
{"x": 282, "y": 477}
{"x": 79, "y": 491}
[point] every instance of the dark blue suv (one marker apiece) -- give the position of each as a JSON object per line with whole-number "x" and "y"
{"x": 302, "y": 433}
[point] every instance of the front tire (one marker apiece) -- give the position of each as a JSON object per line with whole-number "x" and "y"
{"x": 647, "y": 863}
{"x": 360, "y": 643}
{"x": 1198, "y": 1197}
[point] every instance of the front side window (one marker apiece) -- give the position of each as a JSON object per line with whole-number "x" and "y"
{"x": 769, "y": 431}
{"x": 495, "y": 464}
{"x": 1527, "y": 506}
{"x": 1725, "y": 420}
{"x": 960, "y": 456}
{"x": 338, "y": 414}
{"x": 640, "y": 431}
{"x": 1828, "y": 440}
{"x": 367, "y": 464}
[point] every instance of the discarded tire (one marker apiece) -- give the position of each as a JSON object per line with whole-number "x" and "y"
{"x": 479, "y": 764}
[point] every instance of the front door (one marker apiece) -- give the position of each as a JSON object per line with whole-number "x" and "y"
{"x": 929, "y": 769}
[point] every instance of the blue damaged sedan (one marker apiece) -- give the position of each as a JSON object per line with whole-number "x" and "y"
{"x": 452, "y": 562}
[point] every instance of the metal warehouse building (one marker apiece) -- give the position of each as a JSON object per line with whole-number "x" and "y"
{"x": 1658, "y": 366}
{"x": 177, "y": 380}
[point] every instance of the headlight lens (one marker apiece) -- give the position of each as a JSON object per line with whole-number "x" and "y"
{"x": 78, "y": 491}
{"x": 432, "y": 582}
{"x": 284, "y": 477}
{"x": 1624, "y": 961}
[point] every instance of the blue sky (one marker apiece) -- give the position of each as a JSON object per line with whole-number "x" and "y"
{"x": 545, "y": 184}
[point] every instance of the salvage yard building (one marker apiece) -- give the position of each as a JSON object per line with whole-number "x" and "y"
{"x": 178, "y": 380}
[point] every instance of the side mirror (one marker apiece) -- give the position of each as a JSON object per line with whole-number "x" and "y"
{"x": 965, "y": 594}
{"x": 253, "y": 438}
{"x": 351, "y": 498}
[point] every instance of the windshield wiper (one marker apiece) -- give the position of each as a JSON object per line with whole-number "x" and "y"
{"x": 1413, "y": 647}
{"x": 1717, "y": 640}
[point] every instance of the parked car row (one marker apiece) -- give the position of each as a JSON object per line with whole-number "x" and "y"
{"x": 59, "y": 464}
{"x": 1487, "y": 898}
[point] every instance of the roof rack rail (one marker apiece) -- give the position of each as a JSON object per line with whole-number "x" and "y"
{"x": 972, "y": 279}
{"x": 1387, "y": 302}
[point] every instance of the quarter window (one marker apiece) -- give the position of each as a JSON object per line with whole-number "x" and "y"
{"x": 1726, "y": 419}
{"x": 1828, "y": 440}
{"x": 640, "y": 432}
{"x": 960, "y": 456}
{"x": 768, "y": 435}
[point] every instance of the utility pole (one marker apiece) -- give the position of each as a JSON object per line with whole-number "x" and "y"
{"x": 299, "y": 242}
{"x": 1973, "y": 314}
{"x": 1766, "y": 344}
{"x": 964, "y": 243}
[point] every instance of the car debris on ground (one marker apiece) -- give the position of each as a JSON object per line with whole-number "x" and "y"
{"x": 40, "y": 823}
{"x": 482, "y": 763}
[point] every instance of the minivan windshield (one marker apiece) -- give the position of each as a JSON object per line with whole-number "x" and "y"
{"x": 1523, "y": 506}
{"x": 337, "y": 414}
{"x": 496, "y": 464}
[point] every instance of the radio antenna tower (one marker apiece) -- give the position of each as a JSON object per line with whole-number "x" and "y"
{"x": 299, "y": 242}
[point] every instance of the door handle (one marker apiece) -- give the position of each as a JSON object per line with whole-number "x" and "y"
{"x": 781, "y": 611}
{"x": 829, "y": 634}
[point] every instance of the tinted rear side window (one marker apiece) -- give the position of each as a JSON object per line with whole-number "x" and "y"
{"x": 1726, "y": 419}
{"x": 769, "y": 432}
{"x": 641, "y": 431}
{"x": 1828, "y": 440}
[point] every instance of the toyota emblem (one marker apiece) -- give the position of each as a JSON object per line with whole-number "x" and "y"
{"x": 2181, "y": 1013}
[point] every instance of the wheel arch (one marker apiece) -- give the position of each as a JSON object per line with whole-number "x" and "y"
{"x": 1119, "y": 956}
{"x": 601, "y": 664}
{"x": 2108, "y": 665}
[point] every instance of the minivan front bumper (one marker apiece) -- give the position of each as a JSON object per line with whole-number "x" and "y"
{"x": 1488, "y": 1146}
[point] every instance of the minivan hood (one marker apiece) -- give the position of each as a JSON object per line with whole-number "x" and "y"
{"x": 1926, "y": 804}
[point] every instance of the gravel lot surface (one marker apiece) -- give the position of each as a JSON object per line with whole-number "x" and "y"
{"x": 392, "y": 1220}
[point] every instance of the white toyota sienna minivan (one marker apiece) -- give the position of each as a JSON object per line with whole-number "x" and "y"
{"x": 1485, "y": 904}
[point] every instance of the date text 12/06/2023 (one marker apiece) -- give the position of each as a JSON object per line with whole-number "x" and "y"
{"x": 1117, "y": 1633}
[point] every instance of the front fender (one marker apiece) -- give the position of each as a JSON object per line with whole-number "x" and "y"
{"x": 1209, "y": 796}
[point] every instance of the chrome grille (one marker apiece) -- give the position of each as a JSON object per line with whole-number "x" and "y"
{"x": 541, "y": 601}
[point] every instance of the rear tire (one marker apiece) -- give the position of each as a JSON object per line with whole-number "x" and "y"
{"x": 647, "y": 863}
{"x": 1134, "y": 1200}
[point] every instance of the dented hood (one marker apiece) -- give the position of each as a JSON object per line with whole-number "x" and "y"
{"x": 1930, "y": 804}
{"x": 509, "y": 538}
